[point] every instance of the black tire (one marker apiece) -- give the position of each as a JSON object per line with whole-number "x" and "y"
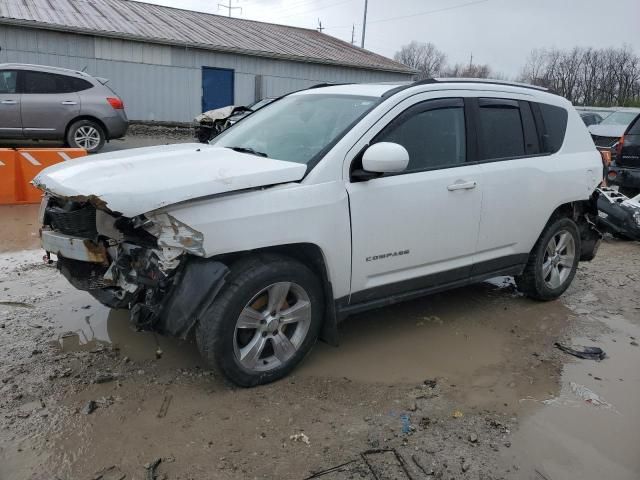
{"x": 74, "y": 141}
{"x": 216, "y": 332}
{"x": 532, "y": 281}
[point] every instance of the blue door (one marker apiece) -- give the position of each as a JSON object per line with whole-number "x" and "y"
{"x": 217, "y": 88}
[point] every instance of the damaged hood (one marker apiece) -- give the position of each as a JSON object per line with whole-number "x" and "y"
{"x": 140, "y": 180}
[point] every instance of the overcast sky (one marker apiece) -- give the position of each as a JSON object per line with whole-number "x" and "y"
{"x": 500, "y": 33}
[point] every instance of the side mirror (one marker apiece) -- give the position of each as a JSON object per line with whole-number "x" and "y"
{"x": 385, "y": 157}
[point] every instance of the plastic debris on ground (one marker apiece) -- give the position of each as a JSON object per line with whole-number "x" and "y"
{"x": 587, "y": 353}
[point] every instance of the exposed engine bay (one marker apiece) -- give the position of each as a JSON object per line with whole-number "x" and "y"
{"x": 150, "y": 265}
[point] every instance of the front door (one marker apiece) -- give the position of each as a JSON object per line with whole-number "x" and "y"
{"x": 217, "y": 88}
{"x": 10, "y": 124}
{"x": 48, "y": 104}
{"x": 417, "y": 229}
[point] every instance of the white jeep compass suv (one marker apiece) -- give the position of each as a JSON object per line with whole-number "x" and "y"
{"x": 326, "y": 202}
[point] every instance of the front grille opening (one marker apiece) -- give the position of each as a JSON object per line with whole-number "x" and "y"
{"x": 72, "y": 218}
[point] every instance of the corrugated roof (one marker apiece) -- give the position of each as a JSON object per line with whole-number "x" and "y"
{"x": 147, "y": 22}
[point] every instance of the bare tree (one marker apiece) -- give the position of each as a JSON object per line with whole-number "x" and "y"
{"x": 587, "y": 76}
{"x": 470, "y": 71}
{"x": 423, "y": 57}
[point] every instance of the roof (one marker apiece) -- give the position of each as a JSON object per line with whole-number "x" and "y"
{"x": 387, "y": 89}
{"x": 42, "y": 68}
{"x": 173, "y": 26}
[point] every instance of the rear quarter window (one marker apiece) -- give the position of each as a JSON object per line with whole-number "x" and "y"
{"x": 553, "y": 128}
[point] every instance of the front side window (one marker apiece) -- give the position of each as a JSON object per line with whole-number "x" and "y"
{"x": 500, "y": 134}
{"x": 433, "y": 133}
{"x": 297, "y": 128}
{"x": 8, "y": 81}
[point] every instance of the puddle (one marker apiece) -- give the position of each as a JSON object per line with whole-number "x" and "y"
{"x": 468, "y": 338}
{"x": 570, "y": 438}
{"x": 19, "y": 227}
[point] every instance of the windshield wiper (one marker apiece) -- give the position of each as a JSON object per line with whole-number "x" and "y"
{"x": 248, "y": 150}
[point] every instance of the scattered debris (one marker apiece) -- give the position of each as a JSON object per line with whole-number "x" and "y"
{"x": 431, "y": 383}
{"x": 634, "y": 343}
{"x": 164, "y": 407}
{"x": 300, "y": 437}
{"x": 151, "y": 469}
{"x": 457, "y": 414}
{"x": 473, "y": 437}
{"x": 406, "y": 423}
{"x": 16, "y": 304}
{"x": 90, "y": 407}
{"x": 105, "y": 377}
{"x": 110, "y": 473}
{"x": 587, "y": 353}
{"x": 589, "y": 396}
{"x": 159, "y": 353}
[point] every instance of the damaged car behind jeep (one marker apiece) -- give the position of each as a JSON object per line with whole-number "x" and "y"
{"x": 328, "y": 202}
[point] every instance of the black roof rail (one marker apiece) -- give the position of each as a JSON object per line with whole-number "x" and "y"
{"x": 325, "y": 84}
{"x": 428, "y": 81}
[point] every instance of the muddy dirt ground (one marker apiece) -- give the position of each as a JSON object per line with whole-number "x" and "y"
{"x": 462, "y": 385}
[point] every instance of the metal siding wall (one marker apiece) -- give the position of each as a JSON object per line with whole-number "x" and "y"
{"x": 159, "y": 82}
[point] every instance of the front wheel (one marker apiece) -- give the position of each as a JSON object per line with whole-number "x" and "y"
{"x": 265, "y": 320}
{"x": 553, "y": 261}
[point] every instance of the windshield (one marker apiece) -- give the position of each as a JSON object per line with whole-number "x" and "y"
{"x": 619, "y": 118}
{"x": 296, "y": 128}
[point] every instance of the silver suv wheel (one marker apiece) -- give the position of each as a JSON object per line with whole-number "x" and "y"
{"x": 87, "y": 137}
{"x": 558, "y": 259}
{"x": 272, "y": 327}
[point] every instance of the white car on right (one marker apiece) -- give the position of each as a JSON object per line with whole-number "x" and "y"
{"x": 607, "y": 133}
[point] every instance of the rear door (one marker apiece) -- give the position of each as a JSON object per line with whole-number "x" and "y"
{"x": 524, "y": 177}
{"x": 48, "y": 104}
{"x": 10, "y": 124}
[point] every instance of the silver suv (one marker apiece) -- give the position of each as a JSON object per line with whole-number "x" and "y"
{"x": 51, "y": 103}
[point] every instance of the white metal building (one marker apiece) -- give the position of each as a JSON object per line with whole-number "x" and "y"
{"x": 170, "y": 64}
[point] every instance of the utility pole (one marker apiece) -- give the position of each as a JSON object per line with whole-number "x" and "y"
{"x": 320, "y": 27}
{"x": 471, "y": 61}
{"x": 353, "y": 34}
{"x": 364, "y": 22}
{"x": 229, "y": 8}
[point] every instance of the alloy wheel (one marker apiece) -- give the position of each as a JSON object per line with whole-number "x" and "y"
{"x": 87, "y": 137}
{"x": 272, "y": 327}
{"x": 558, "y": 260}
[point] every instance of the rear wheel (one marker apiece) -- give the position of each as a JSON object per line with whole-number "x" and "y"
{"x": 264, "y": 321}
{"x": 86, "y": 134}
{"x": 553, "y": 261}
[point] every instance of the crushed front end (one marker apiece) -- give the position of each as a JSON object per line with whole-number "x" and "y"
{"x": 152, "y": 264}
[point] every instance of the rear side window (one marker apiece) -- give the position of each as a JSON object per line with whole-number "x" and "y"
{"x": 501, "y": 134}
{"x": 553, "y": 128}
{"x": 43, "y": 82}
{"x": 8, "y": 81}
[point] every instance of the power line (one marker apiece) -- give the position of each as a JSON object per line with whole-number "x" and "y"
{"x": 428, "y": 12}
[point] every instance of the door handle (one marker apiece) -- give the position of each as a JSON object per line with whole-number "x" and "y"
{"x": 462, "y": 185}
{"x": 68, "y": 102}
{"x": 9, "y": 102}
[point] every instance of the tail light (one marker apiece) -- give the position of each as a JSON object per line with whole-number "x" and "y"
{"x": 116, "y": 103}
{"x": 612, "y": 175}
{"x": 619, "y": 146}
